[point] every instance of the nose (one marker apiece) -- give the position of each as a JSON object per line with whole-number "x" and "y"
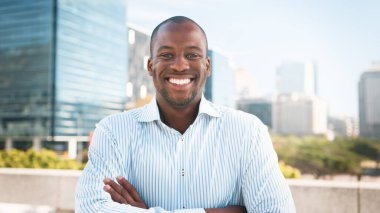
{"x": 180, "y": 64}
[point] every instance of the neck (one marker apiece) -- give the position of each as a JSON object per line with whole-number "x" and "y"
{"x": 178, "y": 118}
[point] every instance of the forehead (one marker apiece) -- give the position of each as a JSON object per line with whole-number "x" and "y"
{"x": 179, "y": 34}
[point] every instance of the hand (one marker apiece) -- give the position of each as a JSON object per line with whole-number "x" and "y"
{"x": 228, "y": 209}
{"x": 124, "y": 193}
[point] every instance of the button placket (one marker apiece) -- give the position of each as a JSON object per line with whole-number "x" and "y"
{"x": 181, "y": 163}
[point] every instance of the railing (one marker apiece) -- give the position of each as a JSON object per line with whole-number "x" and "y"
{"x": 56, "y": 188}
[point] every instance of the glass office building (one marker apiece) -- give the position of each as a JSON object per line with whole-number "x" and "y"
{"x": 63, "y": 66}
{"x": 369, "y": 102}
{"x": 262, "y": 108}
{"x": 140, "y": 87}
{"x": 220, "y": 86}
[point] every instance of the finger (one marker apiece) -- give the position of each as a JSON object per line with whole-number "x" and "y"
{"x": 120, "y": 190}
{"x": 126, "y": 195}
{"x": 115, "y": 196}
{"x": 131, "y": 190}
{"x": 116, "y": 187}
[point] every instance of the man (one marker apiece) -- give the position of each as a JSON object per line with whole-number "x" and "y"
{"x": 181, "y": 152}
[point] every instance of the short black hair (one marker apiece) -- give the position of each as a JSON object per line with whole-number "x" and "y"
{"x": 178, "y": 20}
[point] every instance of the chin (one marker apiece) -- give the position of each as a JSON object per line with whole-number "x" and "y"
{"x": 179, "y": 101}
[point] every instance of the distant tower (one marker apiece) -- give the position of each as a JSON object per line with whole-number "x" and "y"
{"x": 220, "y": 86}
{"x": 300, "y": 115}
{"x": 140, "y": 85}
{"x": 245, "y": 84}
{"x": 369, "y": 102}
{"x": 297, "y": 109}
{"x": 295, "y": 77}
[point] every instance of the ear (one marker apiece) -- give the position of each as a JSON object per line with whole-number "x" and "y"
{"x": 149, "y": 66}
{"x": 208, "y": 66}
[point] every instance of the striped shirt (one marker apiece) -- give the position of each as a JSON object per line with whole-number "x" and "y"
{"x": 225, "y": 157}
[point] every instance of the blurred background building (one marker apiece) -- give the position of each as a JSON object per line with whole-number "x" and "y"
{"x": 300, "y": 115}
{"x": 343, "y": 126}
{"x": 261, "y": 107}
{"x": 220, "y": 86}
{"x": 296, "y": 77}
{"x": 63, "y": 68}
{"x": 297, "y": 109}
{"x": 369, "y": 102}
{"x": 140, "y": 87}
{"x": 245, "y": 84}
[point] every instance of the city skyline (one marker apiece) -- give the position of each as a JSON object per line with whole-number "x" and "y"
{"x": 341, "y": 39}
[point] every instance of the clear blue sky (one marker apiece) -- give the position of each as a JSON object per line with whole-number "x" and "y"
{"x": 342, "y": 37}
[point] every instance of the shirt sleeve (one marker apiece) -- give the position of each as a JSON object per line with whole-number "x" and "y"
{"x": 105, "y": 161}
{"x": 264, "y": 187}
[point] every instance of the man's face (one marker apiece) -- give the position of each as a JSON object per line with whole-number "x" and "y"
{"x": 179, "y": 64}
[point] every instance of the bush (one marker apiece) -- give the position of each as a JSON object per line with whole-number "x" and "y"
{"x": 44, "y": 159}
{"x": 318, "y": 156}
{"x": 288, "y": 171}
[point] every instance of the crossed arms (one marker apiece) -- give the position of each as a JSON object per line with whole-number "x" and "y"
{"x": 125, "y": 193}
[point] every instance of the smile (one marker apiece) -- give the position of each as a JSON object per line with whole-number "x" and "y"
{"x": 180, "y": 81}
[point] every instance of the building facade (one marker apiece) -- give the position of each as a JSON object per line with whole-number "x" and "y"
{"x": 296, "y": 77}
{"x": 245, "y": 84}
{"x": 344, "y": 126}
{"x": 140, "y": 87}
{"x": 262, "y": 108}
{"x": 220, "y": 86}
{"x": 300, "y": 115}
{"x": 63, "y": 66}
{"x": 369, "y": 102}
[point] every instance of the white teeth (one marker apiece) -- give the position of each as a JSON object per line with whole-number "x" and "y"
{"x": 179, "y": 81}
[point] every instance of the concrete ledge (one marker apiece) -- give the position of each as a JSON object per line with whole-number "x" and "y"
{"x": 56, "y": 188}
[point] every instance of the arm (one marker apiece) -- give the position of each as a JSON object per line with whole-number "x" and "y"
{"x": 105, "y": 161}
{"x": 264, "y": 187}
{"x": 127, "y": 194}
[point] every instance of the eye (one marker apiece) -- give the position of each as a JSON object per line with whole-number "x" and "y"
{"x": 167, "y": 55}
{"x": 192, "y": 56}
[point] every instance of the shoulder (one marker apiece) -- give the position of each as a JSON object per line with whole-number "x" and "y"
{"x": 121, "y": 120}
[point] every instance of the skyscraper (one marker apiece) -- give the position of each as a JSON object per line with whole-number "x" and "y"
{"x": 63, "y": 66}
{"x": 369, "y": 102}
{"x": 300, "y": 115}
{"x": 245, "y": 84}
{"x": 295, "y": 77}
{"x": 140, "y": 84}
{"x": 220, "y": 86}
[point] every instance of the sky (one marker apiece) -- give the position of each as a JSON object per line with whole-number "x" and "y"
{"x": 341, "y": 37}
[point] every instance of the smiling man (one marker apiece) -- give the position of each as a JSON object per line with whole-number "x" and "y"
{"x": 180, "y": 152}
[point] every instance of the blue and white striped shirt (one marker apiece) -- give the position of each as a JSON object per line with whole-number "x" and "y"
{"x": 225, "y": 157}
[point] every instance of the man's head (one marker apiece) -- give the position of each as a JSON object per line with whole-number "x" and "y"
{"x": 179, "y": 63}
{"x": 174, "y": 19}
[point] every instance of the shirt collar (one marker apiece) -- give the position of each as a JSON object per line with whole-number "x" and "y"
{"x": 150, "y": 111}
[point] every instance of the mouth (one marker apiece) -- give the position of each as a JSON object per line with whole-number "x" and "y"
{"x": 180, "y": 81}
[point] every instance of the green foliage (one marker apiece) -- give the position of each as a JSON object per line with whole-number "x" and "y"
{"x": 288, "y": 171}
{"x": 318, "y": 156}
{"x": 45, "y": 159}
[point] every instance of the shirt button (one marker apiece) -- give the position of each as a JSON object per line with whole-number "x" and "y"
{"x": 181, "y": 139}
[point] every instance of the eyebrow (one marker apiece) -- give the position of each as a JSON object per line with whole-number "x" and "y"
{"x": 169, "y": 47}
{"x": 164, "y": 47}
{"x": 195, "y": 47}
